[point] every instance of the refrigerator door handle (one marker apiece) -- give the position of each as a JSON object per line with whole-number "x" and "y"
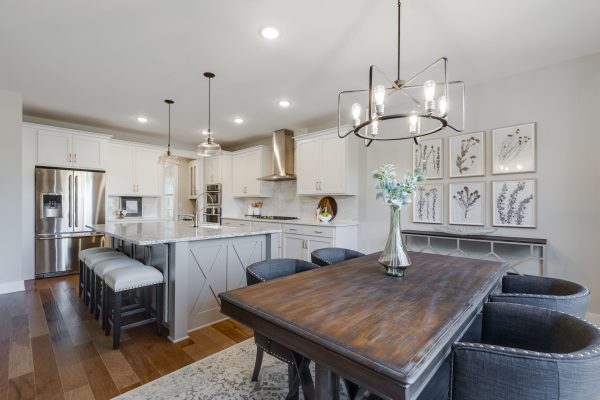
{"x": 70, "y": 201}
{"x": 76, "y": 194}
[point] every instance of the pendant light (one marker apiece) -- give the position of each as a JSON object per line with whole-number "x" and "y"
{"x": 168, "y": 158}
{"x": 396, "y": 109}
{"x": 209, "y": 148}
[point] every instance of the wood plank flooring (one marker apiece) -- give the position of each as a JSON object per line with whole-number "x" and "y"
{"x": 52, "y": 349}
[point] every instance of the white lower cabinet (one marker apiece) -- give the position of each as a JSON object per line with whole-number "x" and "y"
{"x": 299, "y": 241}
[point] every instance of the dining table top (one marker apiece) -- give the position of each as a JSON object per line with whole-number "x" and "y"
{"x": 394, "y": 326}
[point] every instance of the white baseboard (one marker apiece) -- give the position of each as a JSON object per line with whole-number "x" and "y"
{"x": 593, "y": 318}
{"x": 10, "y": 287}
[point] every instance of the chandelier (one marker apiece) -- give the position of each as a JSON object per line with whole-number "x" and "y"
{"x": 168, "y": 158}
{"x": 208, "y": 148}
{"x": 399, "y": 109}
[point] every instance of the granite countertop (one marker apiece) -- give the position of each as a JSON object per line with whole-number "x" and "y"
{"x": 333, "y": 223}
{"x": 148, "y": 233}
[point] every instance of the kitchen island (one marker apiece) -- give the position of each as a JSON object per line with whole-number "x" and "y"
{"x": 198, "y": 264}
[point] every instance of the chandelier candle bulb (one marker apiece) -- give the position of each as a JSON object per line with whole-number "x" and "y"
{"x": 413, "y": 123}
{"x": 356, "y": 109}
{"x": 379, "y": 95}
{"x": 443, "y": 106}
{"x": 429, "y": 89}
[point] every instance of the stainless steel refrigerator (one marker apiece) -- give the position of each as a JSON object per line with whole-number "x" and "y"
{"x": 67, "y": 201}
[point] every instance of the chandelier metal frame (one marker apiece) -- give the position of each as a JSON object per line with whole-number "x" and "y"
{"x": 360, "y": 130}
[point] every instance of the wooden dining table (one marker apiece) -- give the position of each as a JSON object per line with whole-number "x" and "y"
{"x": 389, "y": 335}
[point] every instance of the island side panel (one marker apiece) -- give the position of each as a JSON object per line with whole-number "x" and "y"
{"x": 178, "y": 287}
{"x": 216, "y": 266}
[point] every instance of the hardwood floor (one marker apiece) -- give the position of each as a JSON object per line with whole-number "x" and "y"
{"x": 51, "y": 348}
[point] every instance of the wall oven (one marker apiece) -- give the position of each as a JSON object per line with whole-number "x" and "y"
{"x": 212, "y": 215}
{"x": 212, "y": 195}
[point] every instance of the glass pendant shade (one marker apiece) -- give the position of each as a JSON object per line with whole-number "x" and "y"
{"x": 208, "y": 148}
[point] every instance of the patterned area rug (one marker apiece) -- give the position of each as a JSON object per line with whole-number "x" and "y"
{"x": 224, "y": 375}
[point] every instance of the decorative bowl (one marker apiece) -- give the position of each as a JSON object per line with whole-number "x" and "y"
{"x": 325, "y": 219}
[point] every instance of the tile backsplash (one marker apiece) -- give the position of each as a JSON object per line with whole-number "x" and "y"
{"x": 286, "y": 202}
{"x": 150, "y": 207}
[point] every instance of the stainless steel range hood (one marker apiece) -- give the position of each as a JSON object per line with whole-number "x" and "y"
{"x": 283, "y": 157}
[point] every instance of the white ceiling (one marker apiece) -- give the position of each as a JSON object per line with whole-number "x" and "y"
{"x": 103, "y": 62}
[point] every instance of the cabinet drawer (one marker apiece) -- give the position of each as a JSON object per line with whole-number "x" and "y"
{"x": 235, "y": 222}
{"x": 270, "y": 225}
{"x": 309, "y": 230}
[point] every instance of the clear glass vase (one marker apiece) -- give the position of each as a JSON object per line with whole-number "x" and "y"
{"x": 394, "y": 257}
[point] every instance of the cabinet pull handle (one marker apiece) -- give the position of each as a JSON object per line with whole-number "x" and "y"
{"x": 75, "y": 157}
{"x": 292, "y": 229}
{"x": 316, "y": 185}
{"x": 318, "y": 231}
{"x": 69, "y": 158}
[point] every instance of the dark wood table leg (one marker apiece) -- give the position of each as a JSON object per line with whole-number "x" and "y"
{"x": 327, "y": 383}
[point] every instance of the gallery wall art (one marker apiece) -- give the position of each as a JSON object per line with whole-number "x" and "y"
{"x": 513, "y": 149}
{"x": 428, "y": 203}
{"x": 514, "y": 203}
{"x": 466, "y": 155}
{"x": 467, "y": 203}
{"x": 428, "y": 156}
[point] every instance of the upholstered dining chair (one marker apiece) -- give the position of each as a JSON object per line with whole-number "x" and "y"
{"x": 528, "y": 353}
{"x": 298, "y": 366}
{"x": 333, "y": 255}
{"x": 550, "y": 293}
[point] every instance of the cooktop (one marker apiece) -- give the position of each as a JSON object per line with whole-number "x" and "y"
{"x": 274, "y": 217}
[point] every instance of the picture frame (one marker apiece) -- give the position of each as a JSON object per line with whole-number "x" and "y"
{"x": 428, "y": 155}
{"x": 133, "y": 206}
{"x": 466, "y": 155}
{"x": 466, "y": 203}
{"x": 514, "y": 203}
{"x": 428, "y": 203}
{"x": 514, "y": 149}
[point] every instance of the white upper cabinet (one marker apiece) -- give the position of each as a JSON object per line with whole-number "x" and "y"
{"x": 326, "y": 164}
{"x": 70, "y": 149}
{"x": 133, "y": 170}
{"x": 212, "y": 169}
{"x": 247, "y": 166}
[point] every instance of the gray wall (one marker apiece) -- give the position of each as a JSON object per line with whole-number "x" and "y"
{"x": 564, "y": 100}
{"x": 10, "y": 190}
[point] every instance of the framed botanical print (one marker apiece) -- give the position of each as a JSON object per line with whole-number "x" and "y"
{"x": 427, "y": 156}
{"x": 467, "y": 203}
{"x": 513, "y": 149}
{"x": 514, "y": 203}
{"x": 428, "y": 203}
{"x": 466, "y": 155}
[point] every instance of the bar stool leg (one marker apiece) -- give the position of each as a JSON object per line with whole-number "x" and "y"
{"x": 98, "y": 298}
{"x": 117, "y": 303}
{"x": 80, "y": 277}
{"x": 107, "y": 310}
{"x": 92, "y": 292}
{"x": 159, "y": 308}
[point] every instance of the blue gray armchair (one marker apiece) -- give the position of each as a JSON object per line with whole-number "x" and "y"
{"x": 333, "y": 255}
{"x": 528, "y": 353}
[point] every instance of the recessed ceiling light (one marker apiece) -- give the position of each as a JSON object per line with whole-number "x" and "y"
{"x": 269, "y": 32}
{"x": 284, "y": 103}
{"x": 239, "y": 120}
{"x": 142, "y": 120}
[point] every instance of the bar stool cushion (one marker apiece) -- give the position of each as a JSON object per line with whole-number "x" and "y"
{"x": 109, "y": 265}
{"x": 131, "y": 278}
{"x": 333, "y": 255}
{"x": 95, "y": 259}
{"x": 83, "y": 254}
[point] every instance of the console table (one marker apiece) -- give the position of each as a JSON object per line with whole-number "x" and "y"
{"x": 515, "y": 252}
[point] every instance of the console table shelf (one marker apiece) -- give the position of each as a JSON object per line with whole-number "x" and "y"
{"x": 520, "y": 254}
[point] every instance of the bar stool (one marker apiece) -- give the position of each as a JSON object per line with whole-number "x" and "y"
{"x": 123, "y": 280}
{"x": 102, "y": 269}
{"x": 88, "y": 268}
{"x": 82, "y": 256}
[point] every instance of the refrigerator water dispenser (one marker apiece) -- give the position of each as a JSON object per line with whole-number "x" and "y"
{"x": 52, "y": 206}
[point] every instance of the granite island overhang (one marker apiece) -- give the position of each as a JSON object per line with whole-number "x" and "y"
{"x": 199, "y": 263}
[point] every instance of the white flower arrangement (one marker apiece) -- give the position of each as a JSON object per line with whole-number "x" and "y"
{"x": 395, "y": 193}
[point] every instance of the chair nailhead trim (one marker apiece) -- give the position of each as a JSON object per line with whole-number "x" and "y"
{"x": 256, "y": 276}
{"x": 138, "y": 286}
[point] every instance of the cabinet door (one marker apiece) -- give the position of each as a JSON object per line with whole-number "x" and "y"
{"x": 192, "y": 189}
{"x": 120, "y": 173}
{"x": 294, "y": 247}
{"x": 213, "y": 170}
{"x": 316, "y": 243}
{"x": 239, "y": 174}
{"x": 87, "y": 152}
{"x": 54, "y": 148}
{"x": 332, "y": 165}
{"x": 147, "y": 172}
{"x": 253, "y": 171}
{"x": 308, "y": 164}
